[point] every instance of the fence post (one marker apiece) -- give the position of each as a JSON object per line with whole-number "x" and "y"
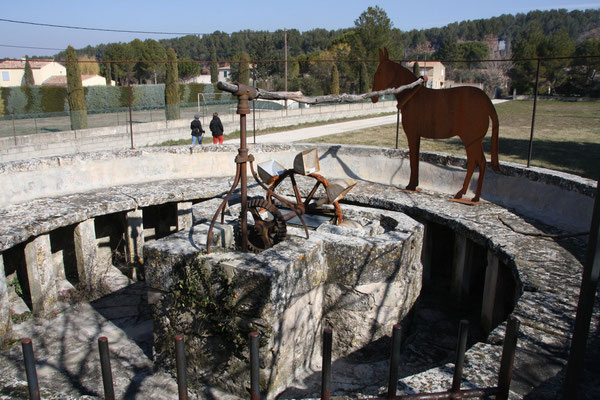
{"x": 394, "y": 361}
{"x": 254, "y": 367}
{"x": 32, "y": 381}
{"x": 326, "y": 370}
{"x": 535, "y": 96}
{"x": 107, "y": 380}
{"x": 461, "y": 347}
{"x": 508, "y": 357}
{"x": 180, "y": 362}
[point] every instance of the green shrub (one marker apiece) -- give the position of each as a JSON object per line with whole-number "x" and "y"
{"x": 149, "y": 96}
{"x": 17, "y": 101}
{"x": 53, "y": 99}
{"x": 103, "y": 98}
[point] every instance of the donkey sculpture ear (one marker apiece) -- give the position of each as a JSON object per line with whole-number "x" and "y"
{"x": 386, "y": 54}
{"x": 381, "y": 58}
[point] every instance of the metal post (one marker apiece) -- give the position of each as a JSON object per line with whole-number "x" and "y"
{"x": 180, "y": 362}
{"x": 107, "y": 380}
{"x": 461, "y": 347}
{"x": 130, "y": 117}
{"x": 508, "y": 357}
{"x": 397, "y": 126}
{"x": 254, "y": 367}
{"x": 254, "y": 105}
{"x": 14, "y": 129}
{"x": 585, "y": 306}
{"x": 32, "y": 381}
{"x": 326, "y": 371}
{"x": 285, "y": 67}
{"x": 394, "y": 361}
{"x": 535, "y": 95}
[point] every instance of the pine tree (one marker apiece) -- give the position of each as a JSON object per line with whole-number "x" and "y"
{"x": 335, "y": 80}
{"x": 108, "y": 73}
{"x": 214, "y": 66}
{"x": 363, "y": 78}
{"x": 28, "y": 76}
{"x": 416, "y": 69}
{"x": 244, "y": 74}
{"x": 75, "y": 93}
{"x": 172, "y": 86}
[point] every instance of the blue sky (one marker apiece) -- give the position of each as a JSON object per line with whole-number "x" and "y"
{"x": 227, "y": 16}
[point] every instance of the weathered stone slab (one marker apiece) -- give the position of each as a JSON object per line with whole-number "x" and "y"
{"x": 357, "y": 281}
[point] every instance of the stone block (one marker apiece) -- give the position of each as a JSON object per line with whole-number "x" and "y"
{"x": 41, "y": 275}
{"x": 357, "y": 281}
{"x": 86, "y": 254}
{"x": 185, "y": 219}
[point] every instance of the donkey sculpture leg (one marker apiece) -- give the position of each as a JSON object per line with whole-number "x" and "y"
{"x": 475, "y": 157}
{"x": 414, "y": 144}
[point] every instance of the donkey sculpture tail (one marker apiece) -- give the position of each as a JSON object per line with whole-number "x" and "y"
{"x": 494, "y": 117}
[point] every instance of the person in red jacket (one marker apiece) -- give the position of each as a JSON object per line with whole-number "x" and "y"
{"x": 216, "y": 127}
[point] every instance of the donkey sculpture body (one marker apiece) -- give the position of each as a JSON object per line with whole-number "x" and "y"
{"x": 441, "y": 114}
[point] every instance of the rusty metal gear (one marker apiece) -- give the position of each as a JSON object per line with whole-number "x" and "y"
{"x": 266, "y": 228}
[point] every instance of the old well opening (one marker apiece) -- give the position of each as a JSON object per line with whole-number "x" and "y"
{"x": 379, "y": 268}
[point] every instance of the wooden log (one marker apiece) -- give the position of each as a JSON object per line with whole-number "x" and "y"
{"x": 330, "y": 98}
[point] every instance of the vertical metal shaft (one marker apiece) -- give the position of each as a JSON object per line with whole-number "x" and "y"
{"x": 107, "y": 380}
{"x": 535, "y": 96}
{"x": 285, "y": 65}
{"x": 254, "y": 367}
{"x": 180, "y": 362}
{"x": 461, "y": 347}
{"x": 508, "y": 357}
{"x": 32, "y": 381}
{"x": 244, "y": 183}
{"x": 585, "y": 305}
{"x": 394, "y": 361}
{"x": 326, "y": 370}
{"x": 397, "y": 126}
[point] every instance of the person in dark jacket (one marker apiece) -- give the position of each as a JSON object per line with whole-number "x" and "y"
{"x": 216, "y": 127}
{"x": 197, "y": 130}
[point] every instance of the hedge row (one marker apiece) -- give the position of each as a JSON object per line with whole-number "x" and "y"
{"x": 42, "y": 99}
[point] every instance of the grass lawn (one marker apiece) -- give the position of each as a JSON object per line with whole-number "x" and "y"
{"x": 566, "y": 136}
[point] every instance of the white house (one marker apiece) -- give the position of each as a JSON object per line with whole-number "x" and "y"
{"x": 12, "y": 72}
{"x": 225, "y": 72}
{"x": 435, "y": 72}
{"x": 86, "y": 80}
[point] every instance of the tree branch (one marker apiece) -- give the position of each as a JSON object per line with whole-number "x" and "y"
{"x": 330, "y": 98}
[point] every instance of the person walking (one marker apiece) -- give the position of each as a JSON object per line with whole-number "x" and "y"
{"x": 216, "y": 127}
{"x": 197, "y": 130}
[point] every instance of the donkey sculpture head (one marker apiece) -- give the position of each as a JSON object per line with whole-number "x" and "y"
{"x": 390, "y": 74}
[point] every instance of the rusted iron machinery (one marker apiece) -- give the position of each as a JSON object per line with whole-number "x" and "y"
{"x": 268, "y": 224}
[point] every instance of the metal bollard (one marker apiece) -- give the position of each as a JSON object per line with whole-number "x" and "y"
{"x": 508, "y": 357}
{"x": 181, "y": 373}
{"x": 394, "y": 361}
{"x": 254, "y": 367}
{"x": 32, "y": 381}
{"x": 461, "y": 347}
{"x": 107, "y": 380}
{"x": 326, "y": 371}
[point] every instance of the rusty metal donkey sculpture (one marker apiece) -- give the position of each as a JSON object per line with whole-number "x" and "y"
{"x": 441, "y": 114}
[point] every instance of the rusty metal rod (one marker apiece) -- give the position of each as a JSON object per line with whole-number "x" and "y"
{"x": 461, "y": 347}
{"x": 254, "y": 367}
{"x": 326, "y": 371}
{"x": 32, "y": 381}
{"x": 180, "y": 362}
{"x": 394, "y": 361}
{"x": 508, "y": 357}
{"x": 107, "y": 380}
